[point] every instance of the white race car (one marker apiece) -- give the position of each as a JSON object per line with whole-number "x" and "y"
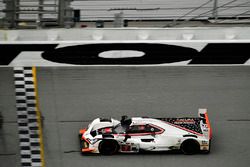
{"x": 131, "y": 135}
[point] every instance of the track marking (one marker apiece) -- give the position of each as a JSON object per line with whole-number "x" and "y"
{"x": 39, "y": 116}
{"x": 28, "y": 117}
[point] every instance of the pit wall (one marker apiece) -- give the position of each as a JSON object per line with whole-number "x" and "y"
{"x": 123, "y": 34}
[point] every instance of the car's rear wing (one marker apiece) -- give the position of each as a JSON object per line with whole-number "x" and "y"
{"x": 204, "y": 123}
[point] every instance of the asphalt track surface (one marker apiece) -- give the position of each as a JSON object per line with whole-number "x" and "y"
{"x": 9, "y": 139}
{"x": 70, "y": 97}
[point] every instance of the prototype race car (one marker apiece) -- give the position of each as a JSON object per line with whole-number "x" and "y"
{"x": 131, "y": 135}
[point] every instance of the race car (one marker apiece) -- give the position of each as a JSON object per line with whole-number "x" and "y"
{"x": 136, "y": 134}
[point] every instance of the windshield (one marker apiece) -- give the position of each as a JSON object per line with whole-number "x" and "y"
{"x": 119, "y": 129}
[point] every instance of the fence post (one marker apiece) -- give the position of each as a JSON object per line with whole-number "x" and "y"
{"x": 215, "y": 10}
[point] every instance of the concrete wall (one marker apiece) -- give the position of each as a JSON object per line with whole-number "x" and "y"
{"x": 126, "y": 34}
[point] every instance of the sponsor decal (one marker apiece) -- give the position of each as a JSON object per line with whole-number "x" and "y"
{"x": 184, "y": 121}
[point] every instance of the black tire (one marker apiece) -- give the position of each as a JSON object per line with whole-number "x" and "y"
{"x": 108, "y": 147}
{"x": 190, "y": 147}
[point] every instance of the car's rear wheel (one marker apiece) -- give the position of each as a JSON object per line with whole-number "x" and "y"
{"x": 190, "y": 147}
{"x": 108, "y": 147}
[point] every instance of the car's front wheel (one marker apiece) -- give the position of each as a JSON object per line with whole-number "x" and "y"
{"x": 108, "y": 147}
